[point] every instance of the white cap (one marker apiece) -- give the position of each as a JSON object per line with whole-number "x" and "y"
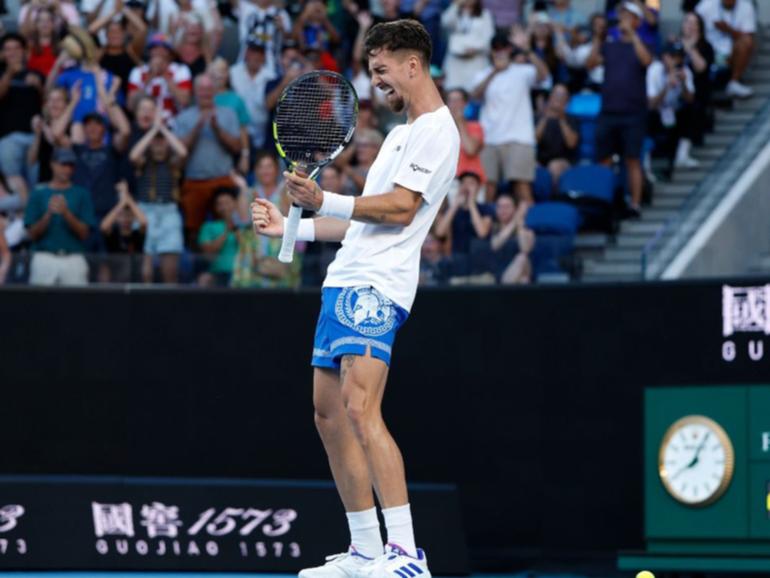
{"x": 633, "y": 8}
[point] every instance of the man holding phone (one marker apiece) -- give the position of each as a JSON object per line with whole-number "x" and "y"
{"x": 730, "y": 27}
{"x": 58, "y": 218}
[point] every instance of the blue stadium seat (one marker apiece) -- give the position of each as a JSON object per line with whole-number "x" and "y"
{"x": 585, "y": 105}
{"x": 588, "y": 182}
{"x": 543, "y": 185}
{"x": 552, "y": 254}
{"x": 585, "y": 108}
{"x": 554, "y": 219}
{"x": 591, "y": 188}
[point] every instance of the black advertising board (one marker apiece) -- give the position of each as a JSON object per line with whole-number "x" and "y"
{"x": 529, "y": 399}
{"x": 69, "y": 522}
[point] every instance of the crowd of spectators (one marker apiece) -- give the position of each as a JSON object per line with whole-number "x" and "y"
{"x": 134, "y": 134}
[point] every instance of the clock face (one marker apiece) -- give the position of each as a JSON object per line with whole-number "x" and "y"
{"x": 696, "y": 461}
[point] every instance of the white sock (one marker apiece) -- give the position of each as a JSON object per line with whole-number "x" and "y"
{"x": 398, "y": 521}
{"x": 365, "y": 534}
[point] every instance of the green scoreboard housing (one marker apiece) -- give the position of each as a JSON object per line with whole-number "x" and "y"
{"x": 706, "y": 480}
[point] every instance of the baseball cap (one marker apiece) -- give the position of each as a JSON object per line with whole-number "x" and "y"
{"x": 253, "y": 43}
{"x": 633, "y": 9}
{"x": 64, "y": 156}
{"x": 160, "y": 40}
{"x": 675, "y": 48}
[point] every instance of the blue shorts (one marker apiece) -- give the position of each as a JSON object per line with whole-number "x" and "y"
{"x": 164, "y": 228}
{"x": 352, "y": 319}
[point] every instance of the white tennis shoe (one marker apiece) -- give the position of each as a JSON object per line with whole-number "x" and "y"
{"x": 346, "y": 565}
{"x": 396, "y": 563}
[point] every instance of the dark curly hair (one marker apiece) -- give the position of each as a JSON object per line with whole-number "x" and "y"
{"x": 405, "y": 34}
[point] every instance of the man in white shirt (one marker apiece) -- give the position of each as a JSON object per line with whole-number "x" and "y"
{"x": 508, "y": 120}
{"x": 249, "y": 79}
{"x": 265, "y": 22}
{"x": 730, "y": 27}
{"x": 368, "y": 291}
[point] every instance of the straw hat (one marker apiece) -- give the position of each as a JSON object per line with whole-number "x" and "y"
{"x": 80, "y": 45}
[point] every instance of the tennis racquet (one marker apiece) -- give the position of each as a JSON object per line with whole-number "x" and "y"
{"x": 314, "y": 121}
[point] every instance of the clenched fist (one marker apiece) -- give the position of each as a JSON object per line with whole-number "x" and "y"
{"x": 266, "y": 218}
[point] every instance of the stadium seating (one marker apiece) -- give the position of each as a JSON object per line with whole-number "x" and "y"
{"x": 585, "y": 109}
{"x": 543, "y": 185}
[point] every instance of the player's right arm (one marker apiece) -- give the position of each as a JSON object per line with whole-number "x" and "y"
{"x": 268, "y": 221}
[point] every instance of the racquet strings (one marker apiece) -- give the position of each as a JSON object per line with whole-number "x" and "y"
{"x": 314, "y": 117}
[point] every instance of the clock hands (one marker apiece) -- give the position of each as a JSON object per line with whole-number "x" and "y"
{"x": 693, "y": 462}
{"x": 698, "y": 451}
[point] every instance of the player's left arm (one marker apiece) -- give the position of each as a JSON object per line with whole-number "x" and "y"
{"x": 397, "y": 207}
{"x": 429, "y": 152}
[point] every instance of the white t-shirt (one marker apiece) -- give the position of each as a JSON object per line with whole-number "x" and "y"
{"x": 506, "y": 114}
{"x": 169, "y": 11}
{"x": 264, "y": 24}
{"x": 742, "y": 17}
{"x": 88, "y": 6}
{"x": 421, "y": 157}
{"x": 252, "y": 90}
{"x": 657, "y": 79}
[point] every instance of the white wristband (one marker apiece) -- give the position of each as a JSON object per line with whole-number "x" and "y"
{"x": 306, "y": 230}
{"x": 334, "y": 205}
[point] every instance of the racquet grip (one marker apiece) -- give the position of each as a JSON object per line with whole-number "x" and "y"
{"x": 290, "y": 228}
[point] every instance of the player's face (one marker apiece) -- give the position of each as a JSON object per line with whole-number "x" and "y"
{"x": 390, "y": 73}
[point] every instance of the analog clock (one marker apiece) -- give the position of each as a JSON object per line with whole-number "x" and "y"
{"x": 696, "y": 460}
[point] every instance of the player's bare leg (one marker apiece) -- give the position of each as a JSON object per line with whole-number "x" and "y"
{"x": 363, "y": 385}
{"x": 351, "y": 475}
{"x": 346, "y": 456}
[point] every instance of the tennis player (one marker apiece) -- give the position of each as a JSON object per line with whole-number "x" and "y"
{"x": 367, "y": 295}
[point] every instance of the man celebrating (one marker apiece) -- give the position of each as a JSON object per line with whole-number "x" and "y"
{"x": 367, "y": 294}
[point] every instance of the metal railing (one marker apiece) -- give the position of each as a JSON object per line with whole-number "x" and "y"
{"x": 660, "y": 251}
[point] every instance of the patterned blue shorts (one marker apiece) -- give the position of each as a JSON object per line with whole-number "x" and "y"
{"x": 352, "y": 319}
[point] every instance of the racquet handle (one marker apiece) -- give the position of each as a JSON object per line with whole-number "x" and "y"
{"x": 290, "y": 228}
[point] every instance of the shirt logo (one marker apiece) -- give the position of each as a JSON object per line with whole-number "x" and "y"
{"x": 417, "y": 168}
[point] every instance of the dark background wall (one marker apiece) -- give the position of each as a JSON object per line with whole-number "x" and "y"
{"x": 529, "y": 399}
